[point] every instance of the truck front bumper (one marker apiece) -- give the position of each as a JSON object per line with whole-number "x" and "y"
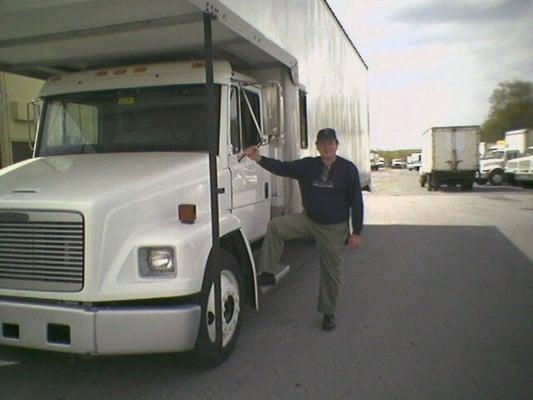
{"x": 482, "y": 175}
{"x": 89, "y": 330}
{"x": 524, "y": 177}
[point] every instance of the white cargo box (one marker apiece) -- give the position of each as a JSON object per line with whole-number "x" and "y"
{"x": 452, "y": 149}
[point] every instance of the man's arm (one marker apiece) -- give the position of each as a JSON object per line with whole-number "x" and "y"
{"x": 290, "y": 169}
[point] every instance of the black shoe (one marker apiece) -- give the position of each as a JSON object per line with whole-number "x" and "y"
{"x": 266, "y": 279}
{"x": 328, "y": 322}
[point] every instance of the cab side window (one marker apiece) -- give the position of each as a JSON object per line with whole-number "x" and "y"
{"x": 235, "y": 136}
{"x": 250, "y": 134}
{"x": 243, "y": 129}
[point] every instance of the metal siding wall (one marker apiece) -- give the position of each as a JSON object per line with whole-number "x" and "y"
{"x": 308, "y": 31}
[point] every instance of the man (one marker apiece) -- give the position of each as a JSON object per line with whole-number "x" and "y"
{"x": 330, "y": 191}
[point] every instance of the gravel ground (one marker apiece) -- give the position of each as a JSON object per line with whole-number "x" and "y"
{"x": 402, "y": 182}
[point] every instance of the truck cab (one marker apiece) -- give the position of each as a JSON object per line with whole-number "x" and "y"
{"x": 492, "y": 166}
{"x": 92, "y": 224}
{"x": 520, "y": 170}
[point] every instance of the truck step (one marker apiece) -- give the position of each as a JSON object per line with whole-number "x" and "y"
{"x": 279, "y": 276}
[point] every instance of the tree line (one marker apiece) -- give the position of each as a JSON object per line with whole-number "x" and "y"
{"x": 511, "y": 108}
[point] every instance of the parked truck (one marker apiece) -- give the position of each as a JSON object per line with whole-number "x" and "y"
{"x": 519, "y": 140}
{"x": 376, "y": 161}
{"x": 450, "y": 156}
{"x": 107, "y": 233}
{"x": 520, "y": 170}
{"x": 492, "y": 166}
{"x": 414, "y": 161}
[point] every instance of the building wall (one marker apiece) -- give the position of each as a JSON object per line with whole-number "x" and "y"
{"x": 15, "y": 92}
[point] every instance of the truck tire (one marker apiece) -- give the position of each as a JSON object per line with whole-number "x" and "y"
{"x": 423, "y": 179}
{"x": 206, "y": 351}
{"x": 467, "y": 185}
{"x": 496, "y": 177}
{"x": 433, "y": 183}
{"x": 429, "y": 184}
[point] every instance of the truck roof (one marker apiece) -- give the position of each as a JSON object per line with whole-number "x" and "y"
{"x": 45, "y": 38}
{"x": 516, "y": 132}
{"x": 452, "y": 127}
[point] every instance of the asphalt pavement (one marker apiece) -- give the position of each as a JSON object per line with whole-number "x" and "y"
{"x": 437, "y": 304}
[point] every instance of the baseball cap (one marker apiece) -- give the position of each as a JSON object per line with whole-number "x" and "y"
{"x": 326, "y": 134}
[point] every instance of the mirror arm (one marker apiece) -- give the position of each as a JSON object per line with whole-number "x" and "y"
{"x": 31, "y": 115}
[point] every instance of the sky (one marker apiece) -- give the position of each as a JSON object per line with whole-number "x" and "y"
{"x": 435, "y": 62}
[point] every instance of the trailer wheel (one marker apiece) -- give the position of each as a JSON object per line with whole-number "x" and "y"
{"x": 435, "y": 184}
{"x": 496, "y": 178}
{"x": 467, "y": 185}
{"x": 206, "y": 351}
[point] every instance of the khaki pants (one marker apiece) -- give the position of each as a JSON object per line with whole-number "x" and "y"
{"x": 330, "y": 242}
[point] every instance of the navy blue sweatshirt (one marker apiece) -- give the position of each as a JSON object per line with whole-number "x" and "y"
{"x": 328, "y": 194}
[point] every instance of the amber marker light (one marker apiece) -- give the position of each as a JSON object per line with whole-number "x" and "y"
{"x": 198, "y": 64}
{"x": 187, "y": 213}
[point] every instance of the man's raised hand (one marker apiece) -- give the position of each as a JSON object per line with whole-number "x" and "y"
{"x": 252, "y": 153}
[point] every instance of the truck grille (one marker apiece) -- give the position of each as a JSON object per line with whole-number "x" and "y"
{"x": 41, "y": 250}
{"x": 523, "y": 166}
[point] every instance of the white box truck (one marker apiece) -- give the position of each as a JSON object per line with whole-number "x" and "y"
{"x": 107, "y": 233}
{"x": 493, "y": 165}
{"x": 414, "y": 161}
{"x": 519, "y": 140}
{"x": 450, "y": 156}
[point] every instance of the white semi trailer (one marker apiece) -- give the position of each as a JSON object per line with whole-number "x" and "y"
{"x": 450, "y": 156}
{"x": 108, "y": 232}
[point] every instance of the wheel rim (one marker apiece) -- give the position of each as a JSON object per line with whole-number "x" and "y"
{"x": 230, "y": 308}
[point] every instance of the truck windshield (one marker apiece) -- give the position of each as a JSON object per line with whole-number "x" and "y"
{"x": 127, "y": 120}
{"x": 495, "y": 155}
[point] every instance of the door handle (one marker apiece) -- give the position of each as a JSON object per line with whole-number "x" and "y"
{"x": 266, "y": 190}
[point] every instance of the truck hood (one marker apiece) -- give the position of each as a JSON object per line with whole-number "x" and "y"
{"x": 490, "y": 162}
{"x": 86, "y": 178}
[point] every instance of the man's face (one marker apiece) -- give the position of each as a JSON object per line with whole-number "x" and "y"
{"x": 327, "y": 148}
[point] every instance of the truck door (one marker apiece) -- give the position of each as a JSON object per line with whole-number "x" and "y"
{"x": 466, "y": 143}
{"x": 250, "y": 184}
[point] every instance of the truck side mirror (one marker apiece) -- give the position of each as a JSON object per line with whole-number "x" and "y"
{"x": 273, "y": 110}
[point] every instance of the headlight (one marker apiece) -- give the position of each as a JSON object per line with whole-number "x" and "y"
{"x": 160, "y": 260}
{"x": 157, "y": 262}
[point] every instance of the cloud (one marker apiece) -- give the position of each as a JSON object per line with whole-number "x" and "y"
{"x": 436, "y": 62}
{"x": 497, "y": 32}
{"x": 466, "y": 11}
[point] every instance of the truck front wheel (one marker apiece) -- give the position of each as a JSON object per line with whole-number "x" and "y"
{"x": 207, "y": 352}
{"x": 496, "y": 178}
